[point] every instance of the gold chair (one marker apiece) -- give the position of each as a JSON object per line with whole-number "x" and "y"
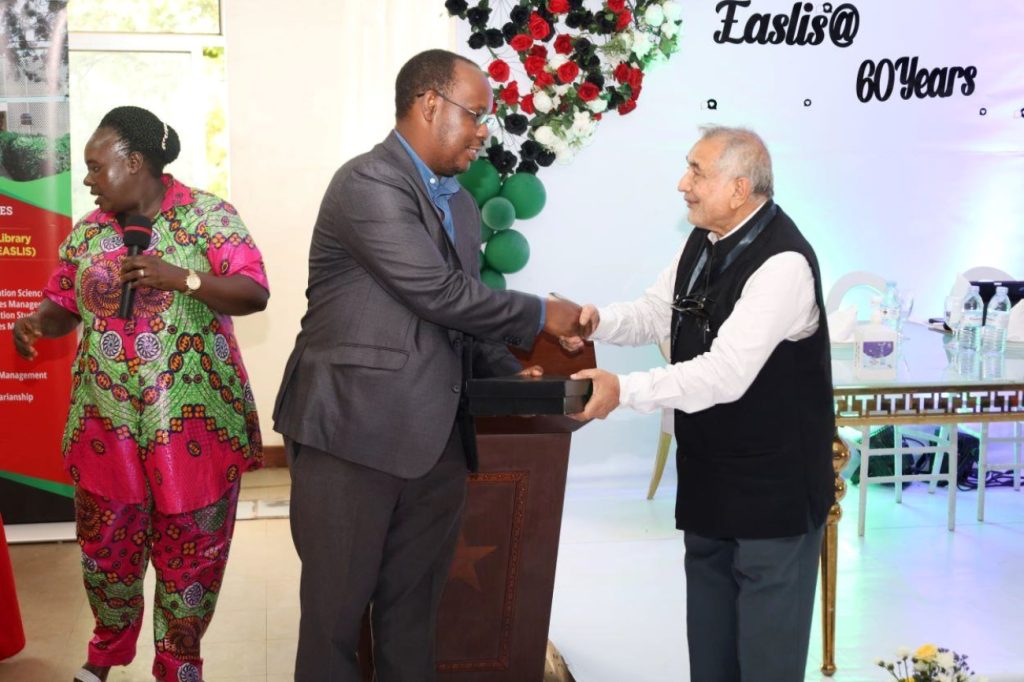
{"x": 667, "y": 431}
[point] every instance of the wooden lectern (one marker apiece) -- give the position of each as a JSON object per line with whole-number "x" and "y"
{"x": 496, "y": 608}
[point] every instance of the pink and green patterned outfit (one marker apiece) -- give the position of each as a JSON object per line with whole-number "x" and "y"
{"x": 162, "y": 415}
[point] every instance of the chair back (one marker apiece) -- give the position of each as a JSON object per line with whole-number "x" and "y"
{"x": 984, "y": 272}
{"x": 850, "y": 281}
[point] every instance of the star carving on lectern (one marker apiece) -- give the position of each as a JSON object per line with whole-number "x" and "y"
{"x": 466, "y": 558}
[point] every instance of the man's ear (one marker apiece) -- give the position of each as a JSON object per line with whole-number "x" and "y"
{"x": 741, "y": 192}
{"x": 428, "y": 105}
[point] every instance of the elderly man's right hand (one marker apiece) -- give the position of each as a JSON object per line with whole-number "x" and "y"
{"x": 588, "y": 321}
{"x": 26, "y": 331}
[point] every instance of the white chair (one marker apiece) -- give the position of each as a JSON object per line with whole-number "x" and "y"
{"x": 1017, "y": 444}
{"x": 665, "y": 437}
{"x": 847, "y": 283}
{"x": 942, "y": 442}
{"x": 984, "y": 272}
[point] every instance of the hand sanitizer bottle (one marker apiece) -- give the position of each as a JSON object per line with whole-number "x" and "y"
{"x": 875, "y": 349}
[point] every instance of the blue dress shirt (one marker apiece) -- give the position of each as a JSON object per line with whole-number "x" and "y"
{"x": 440, "y": 189}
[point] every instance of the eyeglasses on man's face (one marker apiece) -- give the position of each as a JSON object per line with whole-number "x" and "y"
{"x": 479, "y": 117}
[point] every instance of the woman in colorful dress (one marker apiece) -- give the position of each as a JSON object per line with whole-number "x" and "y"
{"x": 162, "y": 421}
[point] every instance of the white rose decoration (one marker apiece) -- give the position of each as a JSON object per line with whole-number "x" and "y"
{"x": 563, "y": 153}
{"x": 654, "y": 16}
{"x": 597, "y": 105}
{"x": 542, "y": 102}
{"x": 669, "y": 29}
{"x": 582, "y": 124}
{"x": 556, "y": 60}
{"x": 672, "y": 11}
{"x": 546, "y": 136}
{"x": 642, "y": 45}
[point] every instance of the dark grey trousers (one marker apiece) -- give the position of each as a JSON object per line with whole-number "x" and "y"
{"x": 749, "y": 606}
{"x": 367, "y": 537}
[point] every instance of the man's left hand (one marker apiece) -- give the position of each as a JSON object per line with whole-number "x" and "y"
{"x": 532, "y": 371}
{"x": 605, "y": 396}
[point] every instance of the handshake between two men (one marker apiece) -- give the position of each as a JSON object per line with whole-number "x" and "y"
{"x": 574, "y": 325}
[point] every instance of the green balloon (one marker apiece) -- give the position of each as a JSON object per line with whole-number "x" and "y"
{"x": 481, "y": 180}
{"x": 485, "y": 232}
{"x": 526, "y": 192}
{"x": 498, "y": 213}
{"x": 507, "y": 251}
{"x": 492, "y": 278}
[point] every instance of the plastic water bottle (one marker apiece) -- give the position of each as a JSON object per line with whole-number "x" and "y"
{"x": 997, "y": 319}
{"x": 968, "y": 337}
{"x": 890, "y": 306}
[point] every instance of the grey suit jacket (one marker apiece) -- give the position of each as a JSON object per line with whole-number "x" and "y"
{"x": 377, "y": 370}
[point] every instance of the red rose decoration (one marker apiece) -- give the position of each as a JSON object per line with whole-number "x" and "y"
{"x": 527, "y": 105}
{"x": 616, "y": 5}
{"x": 563, "y": 44}
{"x": 521, "y": 42}
{"x": 596, "y": 117}
{"x": 636, "y": 93}
{"x": 544, "y": 79}
{"x": 621, "y": 72}
{"x": 636, "y": 78}
{"x": 510, "y": 93}
{"x": 588, "y": 91}
{"x": 534, "y": 66}
{"x": 625, "y": 16}
{"x": 567, "y": 72}
{"x": 627, "y": 106}
{"x": 558, "y": 6}
{"x": 499, "y": 70}
{"x": 539, "y": 51}
{"x": 539, "y": 27}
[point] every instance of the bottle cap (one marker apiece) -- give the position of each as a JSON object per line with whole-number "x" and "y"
{"x": 1001, "y": 291}
{"x": 974, "y": 288}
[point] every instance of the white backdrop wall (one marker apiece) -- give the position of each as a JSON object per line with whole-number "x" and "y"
{"x": 915, "y": 190}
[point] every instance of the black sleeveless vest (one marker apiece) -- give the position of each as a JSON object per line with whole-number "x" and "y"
{"x": 759, "y": 467}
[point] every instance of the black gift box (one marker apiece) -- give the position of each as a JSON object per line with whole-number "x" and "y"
{"x": 527, "y": 395}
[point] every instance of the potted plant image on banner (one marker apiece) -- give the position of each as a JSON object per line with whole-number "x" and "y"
{"x": 557, "y": 68}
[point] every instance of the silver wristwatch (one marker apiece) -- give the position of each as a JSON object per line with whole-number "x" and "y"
{"x": 192, "y": 282}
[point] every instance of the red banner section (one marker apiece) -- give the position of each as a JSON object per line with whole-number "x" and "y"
{"x": 33, "y": 394}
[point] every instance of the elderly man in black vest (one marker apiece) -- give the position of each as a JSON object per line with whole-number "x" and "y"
{"x": 751, "y": 386}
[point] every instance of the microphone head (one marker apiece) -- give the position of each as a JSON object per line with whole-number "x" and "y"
{"x": 138, "y": 229}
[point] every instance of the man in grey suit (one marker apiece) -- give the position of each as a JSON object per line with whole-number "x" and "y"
{"x": 369, "y": 405}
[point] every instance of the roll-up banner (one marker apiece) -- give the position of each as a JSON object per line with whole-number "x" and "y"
{"x": 35, "y": 216}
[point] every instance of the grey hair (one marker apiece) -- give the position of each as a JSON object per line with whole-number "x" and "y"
{"x": 744, "y": 156}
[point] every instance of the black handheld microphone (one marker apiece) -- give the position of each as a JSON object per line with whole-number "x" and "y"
{"x": 138, "y": 230}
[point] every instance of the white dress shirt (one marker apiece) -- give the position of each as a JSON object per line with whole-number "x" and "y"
{"x": 776, "y": 304}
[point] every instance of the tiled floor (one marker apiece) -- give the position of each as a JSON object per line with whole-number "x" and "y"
{"x": 619, "y": 604}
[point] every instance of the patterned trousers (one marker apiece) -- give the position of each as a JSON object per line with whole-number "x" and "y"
{"x": 189, "y": 552}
